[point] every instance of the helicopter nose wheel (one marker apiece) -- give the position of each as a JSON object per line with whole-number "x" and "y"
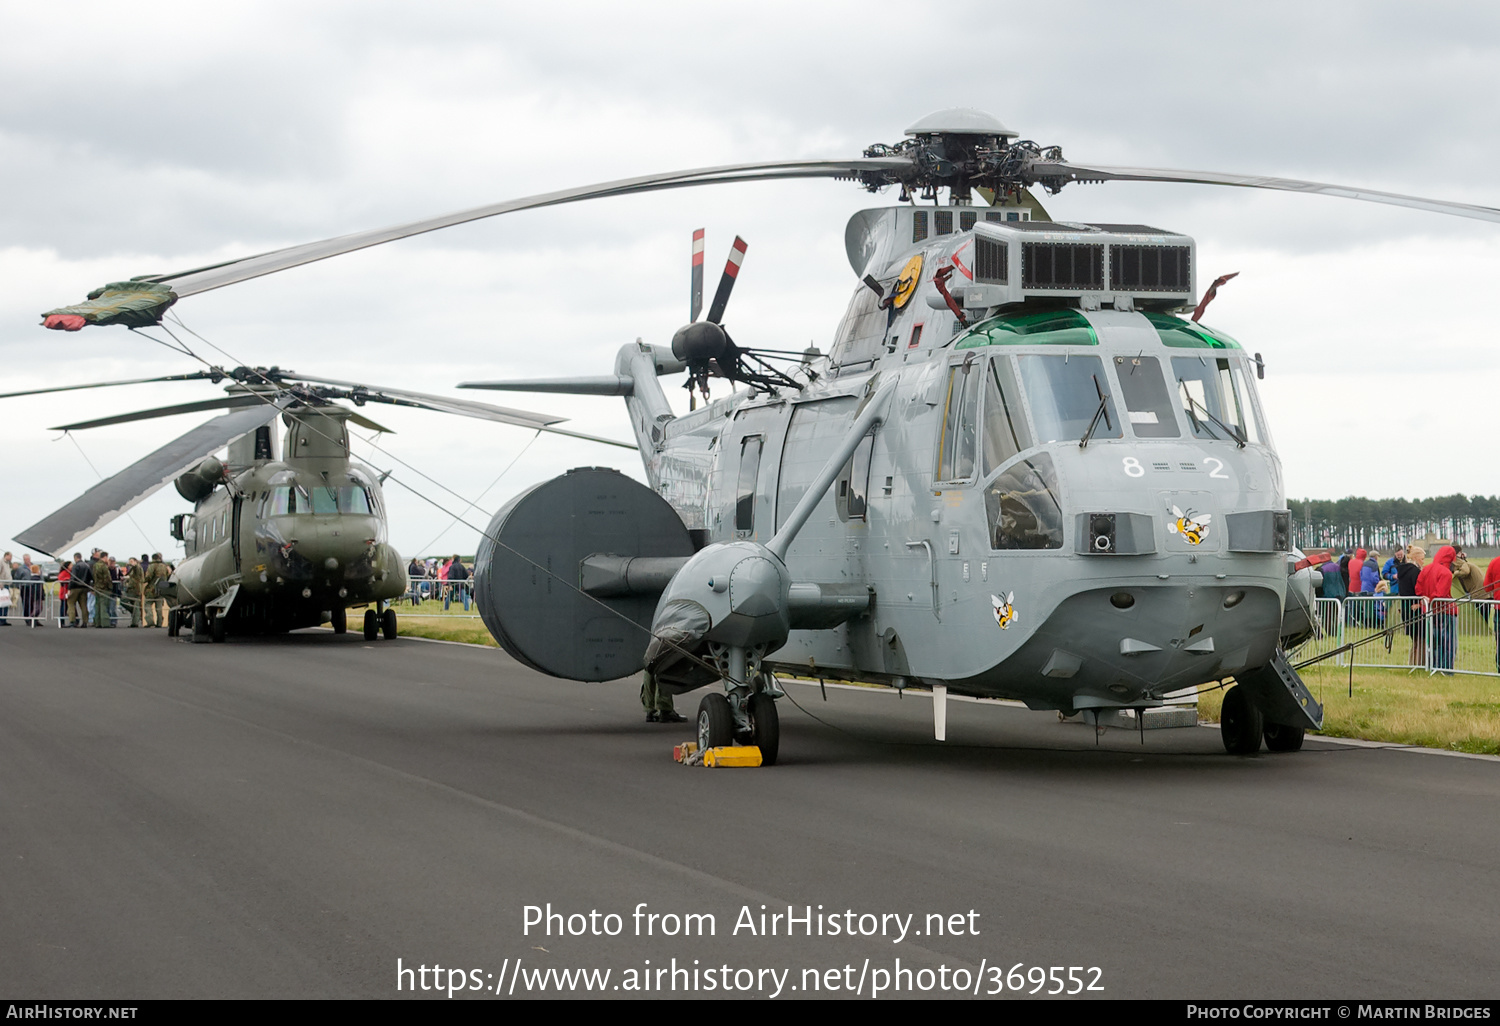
{"x": 339, "y": 618}
{"x": 372, "y": 624}
{"x": 218, "y": 628}
{"x": 715, "y": 722}
{"x": 388, "y": 624}
{"x": 765, "y": 726}
{"x": 200, "y": 627}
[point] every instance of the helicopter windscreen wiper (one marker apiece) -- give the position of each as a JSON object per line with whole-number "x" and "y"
{"x": 1239, "y": 439}
{"x": 1101, "y": 412}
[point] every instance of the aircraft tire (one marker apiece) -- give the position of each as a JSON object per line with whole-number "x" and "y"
{"x": 1240, "y": 722}
{"x": 200, "y": 627}
{"x": 765, "y": 727}
{"x": 715, "y": 722}
{"x": 372, "y": 625}
{"x": 174, "y": 623}
{"x": 1281, "y": 738}
{"x": 218, "y": 628}
{"x": 388, "y": 624}
{"x": 339, "y": 618}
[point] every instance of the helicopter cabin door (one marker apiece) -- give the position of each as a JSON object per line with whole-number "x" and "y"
{"x": 949, "y": 549}
{"x": 750, "y": 447}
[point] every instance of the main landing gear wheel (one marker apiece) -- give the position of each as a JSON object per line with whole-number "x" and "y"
{"x": 715, "y": 723}
{"x": 1281, "y": 738}
{"x": 217, "y": 627}
{"x": 174, "y": 623}
{"x": 765, "y": 726}
{"x": 372, "y": 624}
{"x": 200, "y": 626}
{"x": 388, "y": 624}
{"x": 1240, "y": 722}
{"x": 340, "y": 620}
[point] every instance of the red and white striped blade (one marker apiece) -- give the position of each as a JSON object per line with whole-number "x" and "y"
{"x": 726, "y": 283}
{"x": 697, "y": 297}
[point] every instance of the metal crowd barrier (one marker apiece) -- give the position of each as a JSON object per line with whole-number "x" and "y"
{"x": 1458, "y": 636}
{"x": 37, "y": 602}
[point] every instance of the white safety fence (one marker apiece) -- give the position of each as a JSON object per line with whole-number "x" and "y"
{"x": 1457, "y": 636}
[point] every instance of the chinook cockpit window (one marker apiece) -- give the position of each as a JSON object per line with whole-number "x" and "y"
{"x": 290, "y": 499}
{"x": 1023, "y": 507}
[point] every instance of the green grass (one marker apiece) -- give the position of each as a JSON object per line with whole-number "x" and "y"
{"x": 1410, "y": 707}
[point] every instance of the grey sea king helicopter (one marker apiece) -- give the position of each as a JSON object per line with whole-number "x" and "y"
{"x": 1017, "y": 473}
{"x": 276, "y": 541}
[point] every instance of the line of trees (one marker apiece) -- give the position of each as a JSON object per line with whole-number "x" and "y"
{"x": 1385, "y": 523}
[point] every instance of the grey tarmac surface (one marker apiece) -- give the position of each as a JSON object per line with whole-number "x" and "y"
{"x": 289, "y": 817}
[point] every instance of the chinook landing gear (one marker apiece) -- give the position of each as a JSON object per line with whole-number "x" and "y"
{"x": 339, "y": 618}
{"x": 200, "y": 626}
{"x": 378, "y": 622}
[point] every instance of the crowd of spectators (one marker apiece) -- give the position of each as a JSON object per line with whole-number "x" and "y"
{"x": 90, "y": 592}
{"x": 1418, "y": 587}
{"x": 448, "y": 579}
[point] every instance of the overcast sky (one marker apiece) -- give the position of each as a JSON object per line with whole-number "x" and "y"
{"x": 153, "y": 139}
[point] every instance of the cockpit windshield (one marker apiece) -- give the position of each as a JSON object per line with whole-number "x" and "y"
{"x": 1068, "y": 394}
{"x": 1215, "y": 398}
{"x": 320, "y": 498}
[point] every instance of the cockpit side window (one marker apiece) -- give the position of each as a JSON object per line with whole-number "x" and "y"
{"x": 1148, "y": 404}
{"x": 960, "y": 438}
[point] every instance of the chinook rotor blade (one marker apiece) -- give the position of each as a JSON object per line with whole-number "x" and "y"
{"x": 58, "y": 532}
{"x": 228, "y": 402}
{"x": 1064, "y": 171}
{"x": 457, "y": 407}
{"x": 195, "y": 376}
{"x": 213, "y": 276}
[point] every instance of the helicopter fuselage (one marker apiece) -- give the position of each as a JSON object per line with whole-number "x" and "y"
{"x": 299, "y": 539}
{"x": 1073, "y": 507}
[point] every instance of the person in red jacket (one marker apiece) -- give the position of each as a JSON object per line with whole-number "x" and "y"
{"x": 1490, "y": 591}
{"x": 1435, "y": 583}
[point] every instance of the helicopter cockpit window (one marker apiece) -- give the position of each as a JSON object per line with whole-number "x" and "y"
{"x": 1005, "y": 429}
{"x": 960, "y": 439}
{"x": 283, "y": 501}
{"x": 1023, "y": 508}
{"x": 1066, "y": 393}
{"x": 1255, "y": 422}
{"x": 1206, "y": 390}
{"x": 1148, "y": 404}
{"x": 744, "y": 496}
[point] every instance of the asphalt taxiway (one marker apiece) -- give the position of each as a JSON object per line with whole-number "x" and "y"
{"x": 289, "y": 817}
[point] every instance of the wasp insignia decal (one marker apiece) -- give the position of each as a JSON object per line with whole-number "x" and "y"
{"x": 1005, "y": 610}
{"x": 1191, "y": 525}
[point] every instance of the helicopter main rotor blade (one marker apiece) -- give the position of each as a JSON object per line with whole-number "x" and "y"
{"x": 195, "y": 376}
{"x": 58, "y": 532}
{"x": 457, "y": 407}
{"x": 727, "y": 280}
{"x": 228, "y": 402}
{"x": 1064, "y": 171}
{"x": 213, "y": 276}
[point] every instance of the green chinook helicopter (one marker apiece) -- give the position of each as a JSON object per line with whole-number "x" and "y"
{"x": 1019, "y": 471}
{"x": 277, "y": 540}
